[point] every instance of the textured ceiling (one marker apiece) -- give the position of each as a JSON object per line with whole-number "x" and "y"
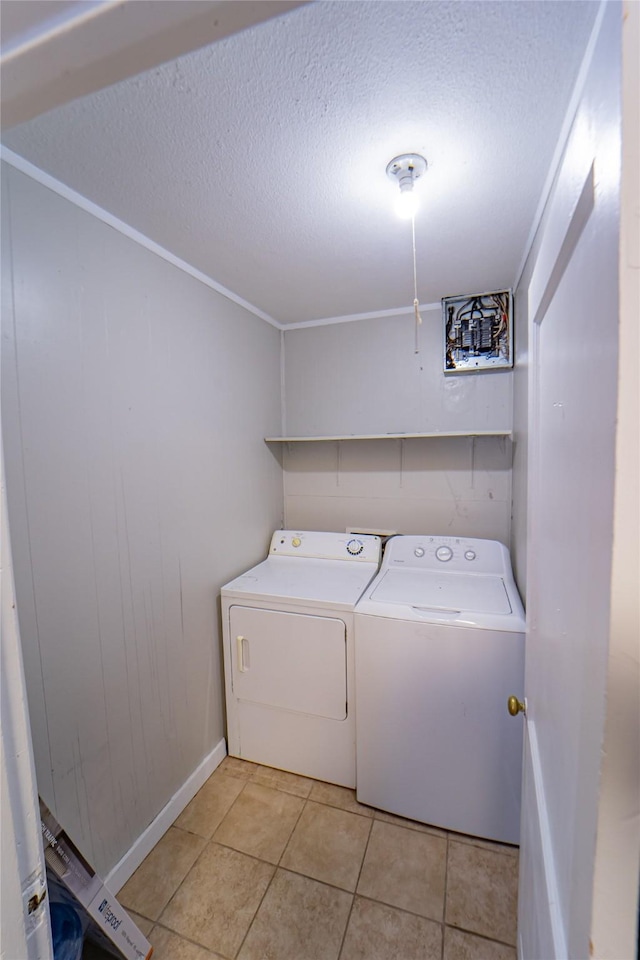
{"x": 261, "y": 159}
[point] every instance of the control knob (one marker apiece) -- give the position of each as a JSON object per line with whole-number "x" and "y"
{"x": 444, "y": 553}
{"x": 419, "y": 552}
{"x": 355, "y": 547}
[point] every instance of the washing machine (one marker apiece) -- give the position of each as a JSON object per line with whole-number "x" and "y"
{"x": 439, "y": 639}
{"x": 289, "y": 654}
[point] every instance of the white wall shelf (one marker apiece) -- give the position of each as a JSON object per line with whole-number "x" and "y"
{"x": 392, "y": 436}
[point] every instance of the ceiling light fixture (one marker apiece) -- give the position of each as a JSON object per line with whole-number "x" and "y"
{"x": 405, "y": 170}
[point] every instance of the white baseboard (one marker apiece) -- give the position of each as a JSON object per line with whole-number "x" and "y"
{"x": 128, "y": 864}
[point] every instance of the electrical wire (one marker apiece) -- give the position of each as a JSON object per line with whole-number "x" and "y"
{"x": 416, "y": 303}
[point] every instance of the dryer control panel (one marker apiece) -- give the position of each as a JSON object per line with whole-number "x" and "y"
{"x": 450, "y": 554}
{"x": 320, "y": 545}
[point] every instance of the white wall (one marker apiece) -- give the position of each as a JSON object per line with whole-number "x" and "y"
{"x": 450, "y": 487}
{"x": 363, "y": 377}
{"x": 135, "y": 400}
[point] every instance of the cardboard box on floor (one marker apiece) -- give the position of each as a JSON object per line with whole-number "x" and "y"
{"x": 73, "y": 881}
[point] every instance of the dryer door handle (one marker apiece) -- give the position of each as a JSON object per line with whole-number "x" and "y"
{"x": 240, "y": 642}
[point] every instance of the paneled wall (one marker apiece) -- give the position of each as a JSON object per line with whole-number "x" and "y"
{"x": 135, "y": 400}
{"x": 455, "y": 486}
{"x": 364, "y": 377}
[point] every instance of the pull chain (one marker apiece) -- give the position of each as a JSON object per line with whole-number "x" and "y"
{"x": 416, "y": 302}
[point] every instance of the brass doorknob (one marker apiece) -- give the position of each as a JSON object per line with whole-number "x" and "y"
{"x": 515, "y": 707}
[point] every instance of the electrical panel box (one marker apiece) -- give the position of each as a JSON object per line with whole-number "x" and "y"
{"x": 478, "y": 332}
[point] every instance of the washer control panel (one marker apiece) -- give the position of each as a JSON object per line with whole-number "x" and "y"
{"x": 453, "y": 554}
{"x": 313, "y": 544}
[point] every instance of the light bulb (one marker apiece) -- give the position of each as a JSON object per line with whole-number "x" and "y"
{"x": 407, "y": 204}
{"x": 405, "y": 169}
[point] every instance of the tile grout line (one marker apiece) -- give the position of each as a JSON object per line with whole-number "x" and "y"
{"x": 424, "y": 828}
{"x": 276, "y": 867}
{"x": 187, "y": 939}
{"x": 179, "y": 887}
{"x": 253, "y": 918}
{"x": 207, "y": 844}
{"x": 409, "y": 913}
{"x": 293, "y": 830}
{"x": 478, "y": 844}
{"x": 355, "y": 889}
{"x": 333, "y": 806}
{"x": 455, "y": 838}
{"x": 444, "y": 902}
{"x": 482, "y": 936}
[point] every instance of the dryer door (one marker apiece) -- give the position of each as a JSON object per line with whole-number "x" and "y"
{"x": 291, "y": 661}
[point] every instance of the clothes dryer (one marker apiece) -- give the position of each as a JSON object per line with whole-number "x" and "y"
{"x": 289, "y": 656}
{"x": 439, "y": 650}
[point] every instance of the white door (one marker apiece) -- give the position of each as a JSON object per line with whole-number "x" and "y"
{"x": 25, "y": 930}
{"x": 573, "y": 317}
{"x": 289, "y": 661}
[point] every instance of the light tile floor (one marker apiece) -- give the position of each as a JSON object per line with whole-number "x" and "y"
{"x": 266, "y": 865}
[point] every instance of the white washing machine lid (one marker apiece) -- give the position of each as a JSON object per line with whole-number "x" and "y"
{"x": 331, "y": 583}
{"x": 459, "y": 591}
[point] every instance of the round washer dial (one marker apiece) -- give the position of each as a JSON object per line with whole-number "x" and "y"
{"x": 444, "y": 553}
{"x": 355, "y": 547}
{"x": 419, "y": 552}
{"x": 470, "y": 555}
